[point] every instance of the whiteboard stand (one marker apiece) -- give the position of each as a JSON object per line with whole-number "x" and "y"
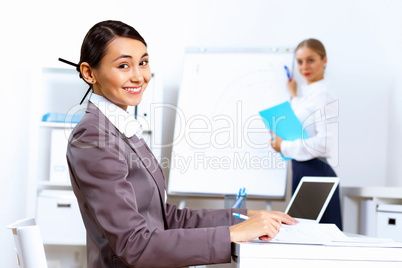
{"x": 231, "y": 200}
{"x": 182, "y": 203}
{"x": 268, "y": 206}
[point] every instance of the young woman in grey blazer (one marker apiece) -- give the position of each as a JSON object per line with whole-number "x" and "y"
{"x": 119, "y": 185}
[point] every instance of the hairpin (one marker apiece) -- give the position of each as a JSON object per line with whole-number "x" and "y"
{"x": 76, "y": 65}
{"x": 85, "y": 95}
{"x": 68, "y": 62}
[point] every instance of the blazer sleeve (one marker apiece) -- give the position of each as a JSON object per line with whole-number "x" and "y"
{"x": 188, "y": 218}
{"x": 100, "y": 174}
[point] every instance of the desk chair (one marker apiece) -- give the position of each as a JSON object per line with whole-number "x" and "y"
{"x": 28, "y": 244}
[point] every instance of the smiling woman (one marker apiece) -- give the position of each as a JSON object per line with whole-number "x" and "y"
{"x": 114, "y": 60}
{"x": 123, "y": 73}
{"x": 119, "y": 185}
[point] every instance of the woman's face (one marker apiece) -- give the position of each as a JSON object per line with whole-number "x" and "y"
{"x": 123, "y": 73}
{"x": 311, "y": 66}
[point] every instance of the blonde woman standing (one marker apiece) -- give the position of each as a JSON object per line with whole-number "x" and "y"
{"x": 316, "y": 109}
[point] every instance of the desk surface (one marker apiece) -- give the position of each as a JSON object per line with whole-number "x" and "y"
{"x": 382, "y": 192}
{"x": 257, "y": 254}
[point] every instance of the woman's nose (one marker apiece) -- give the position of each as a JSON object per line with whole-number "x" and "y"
{"x": 136, "y": 75}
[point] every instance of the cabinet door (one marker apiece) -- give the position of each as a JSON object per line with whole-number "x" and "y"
{"x": 59, "y": 218}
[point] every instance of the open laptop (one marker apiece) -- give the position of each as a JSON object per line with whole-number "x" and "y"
{"x": 311, "y": 198}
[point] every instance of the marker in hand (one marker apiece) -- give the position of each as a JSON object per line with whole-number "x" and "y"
{"x": 288, "y": 73}
{"x": 244, "y": 217}
{"x": 241, "y": 216}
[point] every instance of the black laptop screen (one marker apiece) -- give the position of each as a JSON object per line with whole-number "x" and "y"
{"x": 310, "y": 199}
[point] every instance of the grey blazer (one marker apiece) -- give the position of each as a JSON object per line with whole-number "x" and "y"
{"x": 120, "y": 189}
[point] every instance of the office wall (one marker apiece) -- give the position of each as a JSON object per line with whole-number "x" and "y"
{"x": 364, "y": 51}
{"x": 360, "y": 48}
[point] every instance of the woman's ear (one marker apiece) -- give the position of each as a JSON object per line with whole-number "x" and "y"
{"x": 87, "y": 73}
{"x": 325, "y": 61}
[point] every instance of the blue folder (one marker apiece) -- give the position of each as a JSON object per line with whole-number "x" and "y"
{"x": 282, "y": 121}
{"x": 62, "y": 118}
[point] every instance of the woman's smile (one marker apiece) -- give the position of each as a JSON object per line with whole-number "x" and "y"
{"x": 133, "y": 90}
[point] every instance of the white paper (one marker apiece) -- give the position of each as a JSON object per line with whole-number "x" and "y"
{"x": 309, "y": 233}
{"x": 326, "y": 234}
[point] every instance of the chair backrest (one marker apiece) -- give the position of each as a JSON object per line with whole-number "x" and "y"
{"x": 28, "y": 244}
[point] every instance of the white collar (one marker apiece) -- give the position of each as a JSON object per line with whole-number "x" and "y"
{"x": 309, "y": 89}
{"x": 121, "y": 119}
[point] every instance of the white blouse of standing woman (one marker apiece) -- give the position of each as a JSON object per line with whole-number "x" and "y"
{"x": 315, "y": 110}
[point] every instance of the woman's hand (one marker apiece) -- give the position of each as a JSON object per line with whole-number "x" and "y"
{"x": 292, "y": 87}
{"x": 276, "y": 142}
{"x": 262, "y": 224}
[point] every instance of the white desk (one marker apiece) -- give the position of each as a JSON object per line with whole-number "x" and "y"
{"x": 258, "y": 255}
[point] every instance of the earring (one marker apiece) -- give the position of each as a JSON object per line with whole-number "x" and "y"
{"x": 92, "y": 81}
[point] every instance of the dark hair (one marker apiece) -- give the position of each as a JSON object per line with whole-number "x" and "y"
{"x": 314, "y": 45}
{"x": 93, "y": 47}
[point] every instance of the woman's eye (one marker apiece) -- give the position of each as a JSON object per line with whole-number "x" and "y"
{"x": 310, "y": 60}
{"x": 144, "y": 63}
{"x": 299, "y": 62}
{"x": 123, "y": 66}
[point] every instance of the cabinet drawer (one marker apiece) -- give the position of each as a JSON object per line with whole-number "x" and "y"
{"x": 59, "y": 218}
{"x": 389, "y": 222}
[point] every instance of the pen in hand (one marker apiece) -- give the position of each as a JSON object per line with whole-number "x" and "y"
{"x": 288, "y": 73}
{"x": 244, "y": 217}
{"x": 241, "y": 216}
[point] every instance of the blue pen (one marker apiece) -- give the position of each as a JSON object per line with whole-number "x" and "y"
{"x": 238, "y": 202}
{"x": 241, "y": 216}
{"x": 287, "y": 72}
{"x": 244, "y": 217}
{"x": 240, "y": 197}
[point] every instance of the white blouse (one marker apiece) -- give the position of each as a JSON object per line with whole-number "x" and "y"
{"x": 122, "y": 120}
{"x": 318, "y": 113}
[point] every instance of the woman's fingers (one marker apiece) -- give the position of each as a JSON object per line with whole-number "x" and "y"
{"x": 263, "y": 224}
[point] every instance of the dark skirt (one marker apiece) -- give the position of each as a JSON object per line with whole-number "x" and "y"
{"x": 319, "y": 168}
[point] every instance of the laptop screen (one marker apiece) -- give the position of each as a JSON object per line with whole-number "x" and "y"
{"x": 310, "y": 199}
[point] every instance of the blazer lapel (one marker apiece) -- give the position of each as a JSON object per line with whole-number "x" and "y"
{"x": 151, "y": 164}
{"x": 138, "y": 146}
{"x": 143, "y": 152}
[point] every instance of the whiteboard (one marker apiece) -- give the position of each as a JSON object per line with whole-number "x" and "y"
{"x": 220, "y": 142}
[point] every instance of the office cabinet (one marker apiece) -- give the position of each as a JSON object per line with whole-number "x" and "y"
{"x": 58, "y": 165}
{"x": 59, "y": 218}
{"x": 389, "y": 221}
{"x": 370, "y": 210}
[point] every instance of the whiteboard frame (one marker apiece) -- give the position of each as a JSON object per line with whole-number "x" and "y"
{"x": 231, "y": 50}
{"x": 221, "y": 50}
